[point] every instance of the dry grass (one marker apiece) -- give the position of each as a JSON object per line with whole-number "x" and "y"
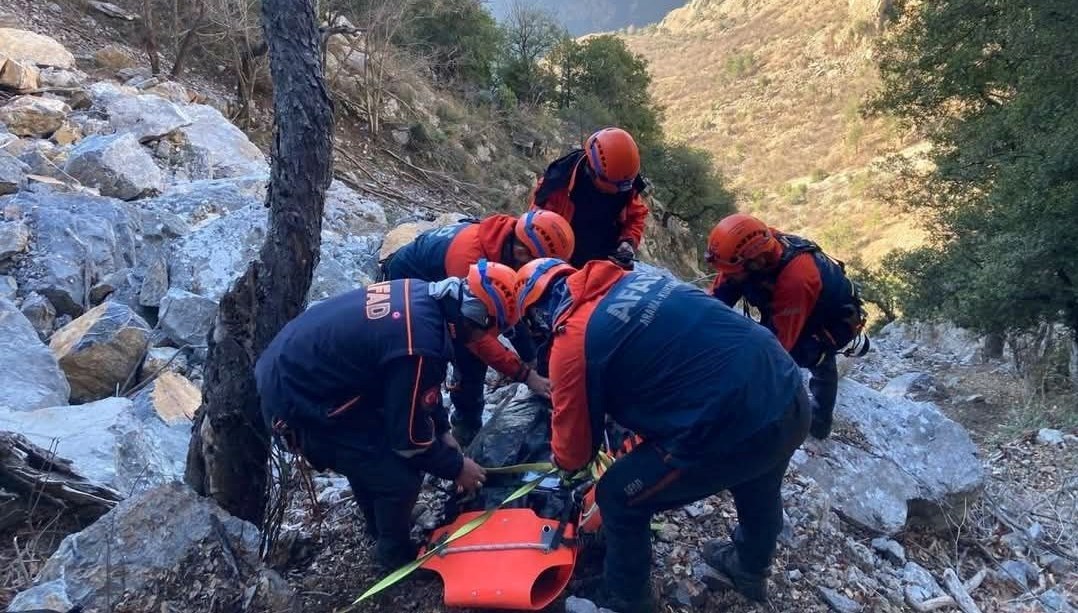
{"x": 774, "y": 90}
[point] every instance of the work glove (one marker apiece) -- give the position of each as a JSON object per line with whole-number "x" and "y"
{"x": 624, "y": 254}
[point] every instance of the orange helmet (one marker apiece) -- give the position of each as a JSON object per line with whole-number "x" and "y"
{"x": 495, "y": 286}
{"x": 613, "y": 158}
{"x": 534, "y": 277}
{"x": 739, "y": 239}
{"x": 546, "y": 234}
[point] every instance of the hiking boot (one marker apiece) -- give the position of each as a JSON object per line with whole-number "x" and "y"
{"x": 722, "y": 556}
{"x": 391, "y": 555}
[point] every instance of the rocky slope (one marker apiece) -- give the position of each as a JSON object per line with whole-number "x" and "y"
{"x": 773, "y": 89}
{"x": 128, "y": 211}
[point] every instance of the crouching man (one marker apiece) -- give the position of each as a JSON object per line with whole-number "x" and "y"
{"x": 717, "y": 400}
{"x": 354, "y": 385}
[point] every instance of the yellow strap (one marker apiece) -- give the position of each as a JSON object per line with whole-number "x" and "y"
{"x": 602, "y": 462}
{"x": 460, "y": 532}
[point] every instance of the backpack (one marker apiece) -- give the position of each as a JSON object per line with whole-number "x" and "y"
{"x": 839, "y": 317}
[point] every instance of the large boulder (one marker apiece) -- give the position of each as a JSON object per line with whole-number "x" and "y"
{"x": 146, "y": 117}
{"x": 32, "y": 377}
{"x": 892, "y": 461}
{"x": 12, "y": 174}
{"x": 228, "y": 149}
{"x": 149, "y": 540}
{"x": 116, "y": 165}
{"x": 201, "y": 201}
{"x": 186, "y": 318}
{"x": 210, "y": 258}
{"x": 100, "y": 350}
{"x": 172, "y": 397}
{"x": 73, "y": 236}
{"x": 111, "y": 442}
{"x": 33, "y": 116}
{"x": 19, "y": 76}
{"x": 32, "y": 48}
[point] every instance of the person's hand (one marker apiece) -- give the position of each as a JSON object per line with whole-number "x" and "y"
{"x": 471, "y": 477}
{"x": 625, "y": 253}
{"x": 450, "y": 441}
{"x": 538, "y": 384}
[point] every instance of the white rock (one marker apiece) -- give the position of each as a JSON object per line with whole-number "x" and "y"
{"x": 32, "y": 377}
{"x": 33, "y": 116}
{"x": 1048, "y": 436}
{"x": 108, "y": 441}
{"x": 34, "y": 48}
{"x": 230, "y": 152}
{"x": 116, "y": 165}
{"x": 147, "y": 117}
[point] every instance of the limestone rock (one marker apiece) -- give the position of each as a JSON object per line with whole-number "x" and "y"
{"x": 187, "y": 318}
{"x": 99, "y": 350}
{"x": 32, "y": 378}
{"x": 1048, "y": 436}
{"x": 8, "y": 288}
{"x": 19, "y": 76}
{"x": 839, "y": 602}
{"x": 147, "y": 537}
{"x": 209, "y": 259}
{"x": 915, "y": 385}
{"x": 154, "y": 284}
{"x": 34, "y": 48}
{"x": 41, "y": 314}
{"x": 890, "y": 550}
{"x": 33, "y": 116}
{"x": 14, "y": 238}
{"x": 164, "y": 358}
{"x": 72, "y": 234}
{"x": 171, "y": 90}
{"x": 199, "y": 201}
{"x": 60, "y": 78}
{"x": 147, "y": 117}
{"x": 12, "y": 176}
{"x": 910, "y": 461}
{"x": 230, "y": 152}
{"x": 111, "y": 442}
{"x": 113, "y": 57}
{"x": 116, "y": 165}
{"x": 67, "y": 134}
{"x": 172, "y": 397}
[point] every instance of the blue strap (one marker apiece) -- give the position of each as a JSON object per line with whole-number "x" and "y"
{"x": 534, "y": 278}
{"x": 489, "y": 287}
{"x": 529, "y": 229}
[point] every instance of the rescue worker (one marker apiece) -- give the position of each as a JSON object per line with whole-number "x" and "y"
{"x": 717, "y": 401}
{"x": 354, "y": 385}
{"x": 804, "y": 298}
{"x": 448, "y": 252}
{"x": 598, "y": 189}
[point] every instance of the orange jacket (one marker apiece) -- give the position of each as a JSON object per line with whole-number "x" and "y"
{"x": 561, "y": 177}
{"x": 486, "y": 239}
{"x": 792, "y": 297}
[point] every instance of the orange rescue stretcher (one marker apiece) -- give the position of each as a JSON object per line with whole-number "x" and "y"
{"x": 517, "y": 560}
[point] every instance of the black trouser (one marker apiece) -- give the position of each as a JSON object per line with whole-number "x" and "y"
{"x": 824, "y": 387}
{"x": 642, "y": 483}
{"x": 385, "y": 487}
{"x": 821, "y": 362}
{"x": 466, "y": 392}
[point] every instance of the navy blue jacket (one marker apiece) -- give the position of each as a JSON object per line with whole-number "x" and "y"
{"x": 665, "y": 360}
{"x": 366, "y": 366}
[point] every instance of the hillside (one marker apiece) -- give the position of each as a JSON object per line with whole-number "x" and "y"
{"x": 773, "y": 89}
{"x": 599, "y": 15}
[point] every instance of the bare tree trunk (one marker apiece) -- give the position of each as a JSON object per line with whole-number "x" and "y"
{"x": 149, "y": 37}
{"x": 184, "y": 49}
{"x": 230, "y": 443}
